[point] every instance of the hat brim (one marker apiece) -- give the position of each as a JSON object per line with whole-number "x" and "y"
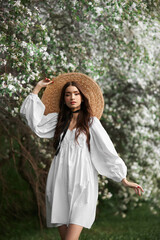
{"x": 51, "y": 95}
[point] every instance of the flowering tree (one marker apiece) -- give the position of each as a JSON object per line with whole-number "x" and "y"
{"x": 115, "y": 42}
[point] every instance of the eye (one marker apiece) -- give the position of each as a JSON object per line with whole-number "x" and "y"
{"x": 77, "y": 94}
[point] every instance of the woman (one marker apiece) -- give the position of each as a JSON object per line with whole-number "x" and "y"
{"x": 69, "y": 111}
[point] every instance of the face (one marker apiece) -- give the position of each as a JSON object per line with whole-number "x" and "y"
{"x": 73, "y": 98}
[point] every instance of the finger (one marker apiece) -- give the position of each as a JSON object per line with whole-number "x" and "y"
{"x": 139, "y": 187}
{"x": 47, "y": 79}
{"x": 51, "y": 81}
{"x": 135, "y": 189}
{"x": 139, "y": 192}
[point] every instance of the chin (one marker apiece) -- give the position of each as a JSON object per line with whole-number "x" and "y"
{"x": 73, "y": 106}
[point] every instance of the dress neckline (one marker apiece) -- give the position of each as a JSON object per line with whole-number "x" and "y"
{"x": 71, "y": 130}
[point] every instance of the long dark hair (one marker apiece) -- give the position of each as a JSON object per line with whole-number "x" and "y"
{"x": 84, "y": 119}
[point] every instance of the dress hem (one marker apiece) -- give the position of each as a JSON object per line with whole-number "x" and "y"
{"x": 60, "y": 224}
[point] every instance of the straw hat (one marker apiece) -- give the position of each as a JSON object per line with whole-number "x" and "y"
{"x": 92, "y": 91}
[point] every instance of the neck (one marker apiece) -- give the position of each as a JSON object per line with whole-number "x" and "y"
{"x": 75, "y": 113}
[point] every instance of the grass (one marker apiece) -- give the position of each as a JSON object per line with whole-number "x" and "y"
{"x": 139, "y": 224}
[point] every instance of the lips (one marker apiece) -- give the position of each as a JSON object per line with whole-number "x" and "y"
{"x": 73, "y": 102}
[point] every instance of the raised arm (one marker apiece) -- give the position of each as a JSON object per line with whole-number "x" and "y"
{"x": 41, "y": 84}
{"x": 32, "y": 111}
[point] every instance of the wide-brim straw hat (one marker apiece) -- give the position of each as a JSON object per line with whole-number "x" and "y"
{"x": 52, "y": 93}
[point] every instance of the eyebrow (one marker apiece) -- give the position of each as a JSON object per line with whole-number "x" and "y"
{"x": 71, "y": 92}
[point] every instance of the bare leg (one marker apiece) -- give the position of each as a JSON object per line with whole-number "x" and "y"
{"x": 73, "y": 232}
{"x": 62, "y": 231}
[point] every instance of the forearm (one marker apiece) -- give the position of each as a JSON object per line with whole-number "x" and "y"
{"x": 125, "y": 182}
{"x": 41, "y": 84}
{"x": 37, "y": 89}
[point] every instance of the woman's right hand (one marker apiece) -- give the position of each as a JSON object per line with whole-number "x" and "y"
{"x": 44, "y": 83}
{"x": 41, "y": 84}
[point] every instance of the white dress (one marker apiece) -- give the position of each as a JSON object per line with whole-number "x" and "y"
{"x": 72, "y": 183}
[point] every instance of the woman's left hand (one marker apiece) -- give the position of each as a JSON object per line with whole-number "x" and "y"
{"x": 138, "y": 189}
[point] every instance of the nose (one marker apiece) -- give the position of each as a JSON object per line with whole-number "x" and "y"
{"x": 72, "y": 96}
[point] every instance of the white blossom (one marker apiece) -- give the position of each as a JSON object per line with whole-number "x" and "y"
{"x": 99, "y": 10}
{"x": 4, "y": 85}
{"x": 47, "y": 39}
{"x": 11, "y": 87}
{"x": 23, "y": 44}
{"x": 43, "y": 27}
{"x": 17, "y": 3}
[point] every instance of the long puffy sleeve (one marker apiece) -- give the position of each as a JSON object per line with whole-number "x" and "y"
{"x": 103, "y": 154}
{"x": 32, "y": 111}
